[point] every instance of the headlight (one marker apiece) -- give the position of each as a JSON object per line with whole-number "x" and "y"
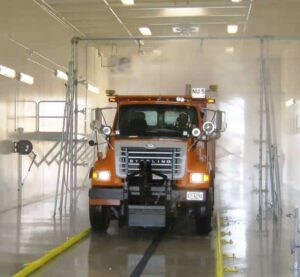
{"x": 209, "y": 127}
{"x": 106, "y": 130}
{"x": 197, "y": 178}
{"x": 101, "y": 175}
{"x": 196, "y": 132}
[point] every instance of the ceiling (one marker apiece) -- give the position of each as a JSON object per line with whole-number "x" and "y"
{"x": 112, "y": 18}
{"x": 47, "y": 26}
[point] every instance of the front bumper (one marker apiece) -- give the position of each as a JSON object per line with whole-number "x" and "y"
{"x": 118, "y": 194}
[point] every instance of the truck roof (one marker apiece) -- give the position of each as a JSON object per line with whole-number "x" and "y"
{"x": 170, "y": 98}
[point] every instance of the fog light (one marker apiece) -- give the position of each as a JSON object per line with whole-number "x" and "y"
{"x": 197, "y": 178}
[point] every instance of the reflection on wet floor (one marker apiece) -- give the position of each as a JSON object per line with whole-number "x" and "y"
{"x": 27, "y": 233}
{"x": 181, "y": 252}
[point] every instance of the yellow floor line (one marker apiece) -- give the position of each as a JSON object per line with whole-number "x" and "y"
{"x": 31, "y": 267}
{"x": 219, "y": 255}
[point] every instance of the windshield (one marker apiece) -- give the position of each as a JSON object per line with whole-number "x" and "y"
{"x": 156, "y": 120}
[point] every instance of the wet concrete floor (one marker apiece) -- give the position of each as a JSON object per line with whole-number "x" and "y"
{"x": 138, "y": 252}
{"x": 27, "y": 233}
{"x": 262, "y": 248}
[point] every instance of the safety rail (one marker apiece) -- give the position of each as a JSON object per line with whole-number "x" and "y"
{"x": 37, "y": 115}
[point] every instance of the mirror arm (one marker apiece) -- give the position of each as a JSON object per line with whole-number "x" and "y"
{"x": 97, "y": 146}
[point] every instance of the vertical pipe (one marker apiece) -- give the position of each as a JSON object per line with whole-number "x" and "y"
{"x": 268, "y": 130}
{"x": 75, "y": 82}
{"x": 277, "y": 178}
{"x": 266, "y": 187}
{"x": 188, "y": 90}
{"x": 20, "y": 173}
{"x": 296, "y": 240}
{"x": 261, "y": 100}
{"x": 38, "y": 118}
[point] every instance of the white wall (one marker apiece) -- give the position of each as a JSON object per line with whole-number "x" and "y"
{"x": 30, "y": 26}
{"x": 291, "y": 133}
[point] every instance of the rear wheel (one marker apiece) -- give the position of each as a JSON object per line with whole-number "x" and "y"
{"x": 203, "y": 215}
{"x": 99, "y": 218}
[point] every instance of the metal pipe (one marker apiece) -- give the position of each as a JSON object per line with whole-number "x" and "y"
{"x": 54, "y": 14}
{"x": 268, "y": 129}
{"x": 75, "y": 82}
{"x": 295, "y": 246}
{"x": 60, "y": 156}
{"x": 265, "y": 37}
{"x": 266, "y": 187}
{"x": 66, "y": 150}
{"x": 261, "y": 101}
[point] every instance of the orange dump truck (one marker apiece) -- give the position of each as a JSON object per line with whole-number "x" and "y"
{"x": 159, "y": 161}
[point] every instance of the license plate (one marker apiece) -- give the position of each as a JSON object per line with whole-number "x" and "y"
{"x": 195, "y": 195}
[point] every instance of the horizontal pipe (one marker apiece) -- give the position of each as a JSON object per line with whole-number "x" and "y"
{"x": 255, "y": 37}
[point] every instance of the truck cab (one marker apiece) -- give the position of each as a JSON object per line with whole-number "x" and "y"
{"x": 159, "y": 161}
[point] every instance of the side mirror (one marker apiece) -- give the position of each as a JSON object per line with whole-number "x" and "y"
{"x": 96, "y": 124}
{"x": 220, "y": 121}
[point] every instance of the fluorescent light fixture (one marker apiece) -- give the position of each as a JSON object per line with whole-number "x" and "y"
{"x": 145, "y": 31}
{"x": 182, "y": 12}
{"x": 236, "y": 1}
{"x": 232, "y": 29}
{"x": 128, "y": 2}
{"x": 25, "y": 78}
{"x": 92, "y": 88}
{"x": 7, "y": 72}
{"x": 194, "y": 29}
{"x": 290, "y": 102}
{"x": 229, "y": 49}
{"x": 177, "y": 29}
{"x": 61, "y": 75}
{"x": 185, "y": 29}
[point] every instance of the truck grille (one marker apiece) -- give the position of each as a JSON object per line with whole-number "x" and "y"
{"x": 167, "y": 160}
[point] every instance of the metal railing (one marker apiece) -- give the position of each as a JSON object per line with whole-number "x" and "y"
{"x": 39, "y": 116}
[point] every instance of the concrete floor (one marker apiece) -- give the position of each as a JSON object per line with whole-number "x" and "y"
{"x": 260, "y": 249}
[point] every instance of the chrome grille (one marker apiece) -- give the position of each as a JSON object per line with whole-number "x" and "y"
{"x": 167, "y": 160}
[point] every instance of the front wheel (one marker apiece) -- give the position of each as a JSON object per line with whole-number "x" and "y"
{"x": 203, "y": 215}
{"x": 99, "y": 218}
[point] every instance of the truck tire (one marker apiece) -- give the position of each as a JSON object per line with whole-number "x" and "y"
{"x": 99, "y": 218}
{"x": 203, "y": 216}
